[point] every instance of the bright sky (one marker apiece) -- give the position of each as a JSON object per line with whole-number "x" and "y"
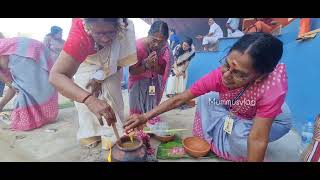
{"x": 37, "y": 28}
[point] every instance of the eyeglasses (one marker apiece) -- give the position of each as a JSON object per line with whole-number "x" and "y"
{"x": 235, "y": 74}
{"x": 110, "y": 34}
{"x": 154, "y": 40}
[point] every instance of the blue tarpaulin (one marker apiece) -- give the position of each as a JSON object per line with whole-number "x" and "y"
{"x": 302, "y": 60}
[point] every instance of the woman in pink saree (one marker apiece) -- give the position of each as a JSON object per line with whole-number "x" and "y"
{"x": 241, "y": 105}
{"x": 24, "y": 67}
{"x": 149, "y": 75}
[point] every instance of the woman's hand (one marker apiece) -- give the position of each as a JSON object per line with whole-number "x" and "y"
{"x": 258, "y": 139}
{"x": 95, "y": 87}
{"x": 134, "y": 121}
{"x": 101, "y": 109}
{"x": 151, "y": 60}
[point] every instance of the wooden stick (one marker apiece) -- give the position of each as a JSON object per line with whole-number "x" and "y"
{"x": 115, "y": 131}
{"x": 113, "y": 126}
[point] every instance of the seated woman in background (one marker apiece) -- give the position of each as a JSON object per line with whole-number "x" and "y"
{"x": 183, "y": 53}
{"x": 26, "y": 73}
{"x": 246, "y": 111}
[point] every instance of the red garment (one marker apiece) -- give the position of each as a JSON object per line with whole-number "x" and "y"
{"x": 79, "y": 44}
{"x": 261, "y": 25}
